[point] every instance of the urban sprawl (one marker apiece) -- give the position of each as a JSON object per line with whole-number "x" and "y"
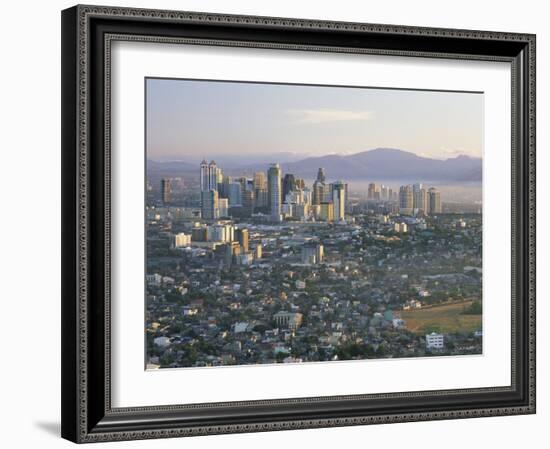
{"x": 266, "y": 269}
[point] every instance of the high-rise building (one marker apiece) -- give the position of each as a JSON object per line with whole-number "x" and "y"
{"x": 371, "y": 191}
{"x": 180, "y": 240}
{"x": 289, "y": 184}
{"x": 259, "y": 181}
{"x": 274, "y": 191}
{"x": 339, "y": 200}
{"x": 210, "y": 209}
{"x": 223, "y": 205}
{"x": 210, "y": 177}
{"x": 199, "y": 234}
{"x": 259, "y": 185}
{"x": 248, "y": 202}
{"x": 235, "y": 194}
{"x": 241, "y": 235}
{"x": 406, "y": 200}
{"x": 420, "y": 199}
{"x": 321, "y": 176}
{"x": 166, "y": 190}
{"x": 327, "y": 211}
{"x": 434, "y": 201}
{"x": 312, "y": 253}
{"x": 384, "y": 193}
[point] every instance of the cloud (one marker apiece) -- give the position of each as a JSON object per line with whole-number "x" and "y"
{"x": 459, "y": 151}
{"x": 314, "y": 116}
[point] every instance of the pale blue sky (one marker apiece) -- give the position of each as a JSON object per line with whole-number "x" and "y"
{"x": 189, "y": 120}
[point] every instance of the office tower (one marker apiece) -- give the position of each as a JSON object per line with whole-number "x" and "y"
{"x": 261, "y": 199}
{"x": 327, "y": 211}
{"x": 434, "y": 201}
{"x": 248, "y": 202}
{"x": 235, "y": 194}
{"x": 209, "y": 205}
{"x": 420, "y": 199}
{"x": 241, "y": 235}
{"x": 274, "y": 191}
{"x": 405, "y": 200}
{"x": 223, "y": 205}
{"x": 258, "y": 252}
{"x": 211, "y": 176}
{"x": 180, "y": 240}
{"x": 199, "y": 234}
{"x": 312, "y": 253}
{"x": 166, "y": 190}
{"x": 289, "y": 184}
{"x": 321, "y": 192}
{"x": 307, "y": 194}
{"x": 259, "y": 181}
{"x": 384, "y": 193}
{"x": 339, "y": 200}
{"x": 259, "y": 184}
{"x": 371, "y": 191}
{"x": 321, "y": 176}
{"x": 300, "y": 184}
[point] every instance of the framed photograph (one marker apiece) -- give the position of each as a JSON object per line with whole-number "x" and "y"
{"x": 278, "y": 223}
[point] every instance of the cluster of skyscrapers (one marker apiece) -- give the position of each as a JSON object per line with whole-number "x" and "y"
{"x": 412, "y": 199}
{"x": 277, "y": 196}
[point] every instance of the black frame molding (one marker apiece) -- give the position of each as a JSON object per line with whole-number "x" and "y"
{"x": 87, "y": 33}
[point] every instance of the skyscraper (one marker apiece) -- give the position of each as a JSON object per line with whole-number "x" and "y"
{"x": 259, "y": 184}
{"x": 209, "y": 205}
{"x": 166, "y": 190}
{"x": 259, "y": 181}
{"x": 289, "y": 184}
{"x": 406, "y": 200}
{"x": 434, "y": 201}
{"x": 211, "y": 176}
{"x": 274, "y": 191}
{"x": 420, "y": 199}
{"x": 321, "y": 176}
{"x": 242, "y": 237}
{"x": 235, "y": 194}
{"x": 371, "y": 191}
{"x": 339, "y": 200}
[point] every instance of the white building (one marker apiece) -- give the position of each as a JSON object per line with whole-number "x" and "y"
{"x": 288, "y": 319}
{"x": 154, "y": 279}
{"x": 402, "y": 228}
{"x": 163, "y": 342}
{"x": 181, "y": 240}
{"x": 435, "y": 341}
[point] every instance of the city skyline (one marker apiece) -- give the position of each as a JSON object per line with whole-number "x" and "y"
{"x": 257, "y": 259}
{"x": 190, "y": 118}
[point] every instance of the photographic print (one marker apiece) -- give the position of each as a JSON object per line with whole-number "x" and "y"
{"x": 290, "y": 223}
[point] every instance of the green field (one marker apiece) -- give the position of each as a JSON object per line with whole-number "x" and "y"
{"x": 445, "y": 318}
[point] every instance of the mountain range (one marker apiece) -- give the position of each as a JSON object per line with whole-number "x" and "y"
{"x": 380, "y": 164}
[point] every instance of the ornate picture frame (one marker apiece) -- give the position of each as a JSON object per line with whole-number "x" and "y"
{"x": 87, "y": 35}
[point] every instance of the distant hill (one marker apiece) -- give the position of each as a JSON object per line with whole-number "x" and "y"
{"x": 169, "y": 168}
{"x": 381, "y": 164}
{"x": 387, "y": 164}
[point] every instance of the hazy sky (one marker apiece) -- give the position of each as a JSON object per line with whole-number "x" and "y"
{"x": 191, "y": 120}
